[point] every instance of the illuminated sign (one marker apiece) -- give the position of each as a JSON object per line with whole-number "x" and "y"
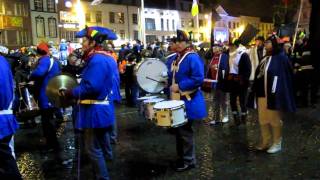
{"x": 68, "y": 17}
{"x": 221, "y": 34}
{"x": 12, "y": 22}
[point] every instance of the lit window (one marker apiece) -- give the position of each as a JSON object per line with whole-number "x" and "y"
{"x": 38, "y": 5}
{"x": 191, "y": 23}
{"x": 121, "y": 18}
{"x": 150, "y": 24}
{"x": 122, "y": 34}
{"x": 162, "y": 26}
{"x": 173, "y": 25}
{"x": 88, "y": 17}
{"x": 51, "y": 5}
{"x": 111, "y": 17}
{"x": 136, "y": 35}
{"x": 98, "y": 17}
{"x": 134, "y": 18}
{"x": 200, "y": 22}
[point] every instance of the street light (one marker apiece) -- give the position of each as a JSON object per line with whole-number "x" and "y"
{"x": 68, "y": 4}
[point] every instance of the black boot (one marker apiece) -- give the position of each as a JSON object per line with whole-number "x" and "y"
{"x": 236, "y": 118}
{"x": 243, "y": 118}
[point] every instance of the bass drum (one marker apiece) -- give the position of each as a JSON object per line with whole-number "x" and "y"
{"x": 150, "y": 75}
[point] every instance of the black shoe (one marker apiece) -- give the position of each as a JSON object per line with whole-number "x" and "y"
{"x": 184, "y": 167}
{"x": 243, "y": 119}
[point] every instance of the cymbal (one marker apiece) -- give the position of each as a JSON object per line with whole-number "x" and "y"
{"x": 56, "y": 84}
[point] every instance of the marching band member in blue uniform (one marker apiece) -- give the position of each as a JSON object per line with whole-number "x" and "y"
{"x": 8, "y": 123}
{"x": 186, "y": 76}
{"x": 272, "y": 94}
{"x": 46, "y": 69}
{"x": 95, "y": 113}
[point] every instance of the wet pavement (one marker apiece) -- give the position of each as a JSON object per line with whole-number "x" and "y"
{"x": 146, "y": 151}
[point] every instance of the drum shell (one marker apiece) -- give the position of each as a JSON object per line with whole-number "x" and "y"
{"x": 171, "y": 117}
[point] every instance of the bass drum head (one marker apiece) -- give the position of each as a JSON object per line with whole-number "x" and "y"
{"x": 151, "y": 69}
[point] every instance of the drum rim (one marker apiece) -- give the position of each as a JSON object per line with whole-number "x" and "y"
{"x": 151, "y": 97}
{"x": 173, "y": 108}
{"x": 161, "y": 99}
{"x": 137, "y": 68}
{"x": 183, "y": 103}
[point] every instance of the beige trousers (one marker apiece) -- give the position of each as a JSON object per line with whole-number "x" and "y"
{"x": 269, "y": 118}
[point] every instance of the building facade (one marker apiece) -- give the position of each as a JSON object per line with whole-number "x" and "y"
{"x": 44, "y": 20}
{"x": 15, "y": 23}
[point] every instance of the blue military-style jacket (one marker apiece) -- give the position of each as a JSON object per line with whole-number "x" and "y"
{"x": 8, "y": 123}
{"x": 189, "y": 77}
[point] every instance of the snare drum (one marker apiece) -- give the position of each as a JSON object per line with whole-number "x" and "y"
{"x": 140, "y": 103}
{"x": 170, "y": 113}
{"x": 148, "y": 107}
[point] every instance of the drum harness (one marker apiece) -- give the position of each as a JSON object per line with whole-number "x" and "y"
{"x": 175, "y": 68}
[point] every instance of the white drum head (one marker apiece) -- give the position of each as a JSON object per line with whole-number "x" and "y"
{"x": 168, "y": 104}
{"x": 148, "y": 73}
{"x": 155, "y": 100}
{"x": 146, "y": 97}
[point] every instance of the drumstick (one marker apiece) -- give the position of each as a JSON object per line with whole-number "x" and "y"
{"x": 154, "y": 79}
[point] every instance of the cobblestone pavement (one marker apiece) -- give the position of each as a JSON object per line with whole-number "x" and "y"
{"x": 146, "y": 151}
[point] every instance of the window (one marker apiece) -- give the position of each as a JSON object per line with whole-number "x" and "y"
{"x": 52, "y": 23}
{"x": 111, "y": 17}
{"x": 168, "y": 26}
{"x": 3, "y": 37}
{"x": 121, "y": 18}
{"x": 98, "y": 17}
{"x": 51, "y": 5}
{"x": 201, "y": 38}
{"x": 88, "y": 17}
{"x": 162, "y": 24}
{"x": 181, "y": 7}
{"x": 191, "y": 23}
{"x": 183, "y": 23}
{"x": 229, "y": 25}
{"x": 13, "y": 37}
{"x": 38, "y": 5}
{"x": 40, "y": 27}
{"x": 1, "y": 7}
{"x": 173, "y": 25}
{"x": 238, "y": 25}
{"x": 135, "y": 35}
{"x": 134, "y": 18}
{"x": 150, "y": 24}
{"x": 201, "y": 23}
{"x": 234, "y": 25}
{"x": 122, "y": 34}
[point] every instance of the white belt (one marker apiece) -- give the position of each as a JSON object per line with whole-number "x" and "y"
{"x": 308, "y": 67}
{"x": 6, "y": 112}
{"x": 88, "y": 102}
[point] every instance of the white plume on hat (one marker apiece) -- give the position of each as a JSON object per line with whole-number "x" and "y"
{"x": 4, "y": 50}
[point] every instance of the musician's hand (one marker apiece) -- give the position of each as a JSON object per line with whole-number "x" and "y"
{"x": 165, "y": 83}
{"x": 31, "y": 83}
{"x": 62, "y": 92}
{"x": 175, "y": 88}
{"x": 65, "y": 93}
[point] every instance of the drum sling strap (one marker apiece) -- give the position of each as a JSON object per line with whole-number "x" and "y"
{"x": 175, "y": 68}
